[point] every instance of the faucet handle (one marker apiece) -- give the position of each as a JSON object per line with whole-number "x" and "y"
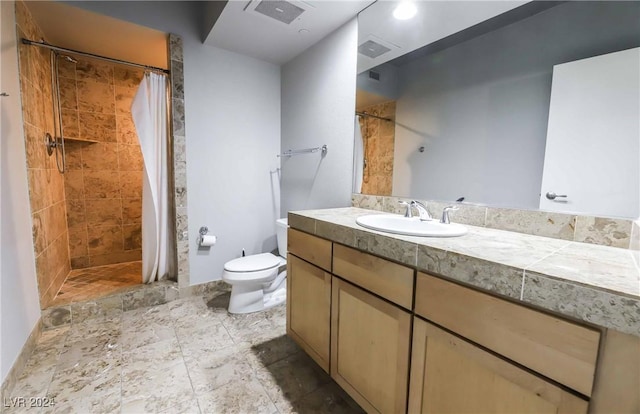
{"x": 445, "y": 214}
{"x": 422, "y": 210}
{"x": 407, "y": 213}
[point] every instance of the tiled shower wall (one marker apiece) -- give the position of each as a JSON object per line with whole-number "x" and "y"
{"x": 379, "y": 138}
{"x": 46, "y": 184}
{"x": 103, "y": 182}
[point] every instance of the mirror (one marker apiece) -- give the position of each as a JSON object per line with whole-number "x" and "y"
{"x": 464, "y": 90}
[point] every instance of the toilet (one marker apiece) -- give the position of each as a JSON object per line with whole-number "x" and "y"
{"x": 256, "y": 281}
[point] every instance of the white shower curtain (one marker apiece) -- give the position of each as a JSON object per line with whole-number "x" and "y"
{"x": 358, "y": 158}
{"x": 149, "y": 111}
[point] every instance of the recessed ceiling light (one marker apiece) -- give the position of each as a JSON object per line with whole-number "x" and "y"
{"x": 405, "y": 10}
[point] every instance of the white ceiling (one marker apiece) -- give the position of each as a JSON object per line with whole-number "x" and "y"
{"x": 434, "y": 20}
{"x": 253, "y": 34}
{"x": 78, "y": 29}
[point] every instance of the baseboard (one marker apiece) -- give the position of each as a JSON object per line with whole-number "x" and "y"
{"x": 18, "y": 366}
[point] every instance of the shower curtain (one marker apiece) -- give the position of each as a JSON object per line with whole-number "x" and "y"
{"x": 358, "y": 158}
{"x": 149, "y": 111}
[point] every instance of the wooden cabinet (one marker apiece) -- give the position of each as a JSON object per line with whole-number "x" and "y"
{"x": 310, "y": 248}
{"x": 370, "y": 341}
{"x": 556, "y": 348}
{"x": 309, "y": 308}
{"x": 398, "y": 343}
{"x": 451, "y": 375}
{"x": 390, "y": 280}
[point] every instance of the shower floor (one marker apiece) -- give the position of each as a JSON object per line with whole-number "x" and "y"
{"x": 97, "y": 282}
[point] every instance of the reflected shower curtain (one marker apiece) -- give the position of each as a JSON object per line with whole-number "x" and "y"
{"x": 149, "y": 111}
{"x": 358, "y": 158}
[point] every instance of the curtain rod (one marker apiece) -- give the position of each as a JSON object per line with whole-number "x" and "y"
{"x": 373, "y": 116}
{"x": 91, "y": 55}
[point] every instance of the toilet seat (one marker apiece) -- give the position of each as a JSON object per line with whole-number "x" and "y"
{"x": 257, "y": 268}
{"x": 253, "y": 263}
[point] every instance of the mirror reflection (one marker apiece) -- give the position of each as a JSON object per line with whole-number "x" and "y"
{"x": 482, "y": 99}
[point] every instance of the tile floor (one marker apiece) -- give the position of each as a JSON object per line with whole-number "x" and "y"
{"x": 186, "y": 356}
{"x": 99, "y": 281}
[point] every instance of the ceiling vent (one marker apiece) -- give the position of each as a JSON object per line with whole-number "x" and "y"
{"x": 280, "y": 10}
{"x": 373, "y": 47}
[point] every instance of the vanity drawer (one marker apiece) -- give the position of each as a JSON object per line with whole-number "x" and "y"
{"x": 392, "y": 281}
{"x": 558, "y": 349}
{"x": 310, "y": 248}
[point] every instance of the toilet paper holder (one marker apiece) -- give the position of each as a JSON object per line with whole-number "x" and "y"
{"x": 204, "y": 230}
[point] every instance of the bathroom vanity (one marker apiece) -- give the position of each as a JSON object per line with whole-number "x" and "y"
{"x": 414, "y": 324}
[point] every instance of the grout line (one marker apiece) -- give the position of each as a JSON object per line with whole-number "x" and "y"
{"x": 575, "y": 227}
{"x": 529, "y": 266}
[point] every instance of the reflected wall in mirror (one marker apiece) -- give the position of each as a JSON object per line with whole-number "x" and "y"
{"x": 472, "y": 102}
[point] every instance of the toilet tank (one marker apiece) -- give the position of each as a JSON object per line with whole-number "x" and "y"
{"x": 281, "y": 235}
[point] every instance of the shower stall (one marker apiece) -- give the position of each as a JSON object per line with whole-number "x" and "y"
{"x": 376, "y": 146}
{"x": 85, "y": 167}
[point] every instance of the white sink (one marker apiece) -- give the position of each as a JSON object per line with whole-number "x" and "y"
{"x": 394, "y": 223}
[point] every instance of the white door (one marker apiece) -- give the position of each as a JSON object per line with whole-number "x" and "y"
{"x": 593, "y": 139}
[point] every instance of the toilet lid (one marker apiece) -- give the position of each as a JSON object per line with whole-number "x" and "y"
{"x": 253, "y": 263}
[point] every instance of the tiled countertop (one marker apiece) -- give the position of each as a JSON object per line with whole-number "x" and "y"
{"x": 595, "y": 284}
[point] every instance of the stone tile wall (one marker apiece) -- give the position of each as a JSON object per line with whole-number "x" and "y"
{"x": 179, "y": 159}
{"x": 604, "y": 231}
{"x": 46, "y": 184}
{"x": 103, "y": 182}
{"x": 379, "y": 139}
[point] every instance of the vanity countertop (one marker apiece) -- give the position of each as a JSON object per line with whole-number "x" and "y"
{"x": 591, "y": 283}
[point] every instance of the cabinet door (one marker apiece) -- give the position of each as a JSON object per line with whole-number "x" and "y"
{"x": 309, "y": 308}
{"x": 451, "y": 375}
{"x": 370, "y": 341}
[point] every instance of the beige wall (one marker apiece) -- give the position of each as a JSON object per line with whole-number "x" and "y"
{"x": 379, "y": 138}
{"x": 46, "y": 184}
{"x": 103, "y": 184}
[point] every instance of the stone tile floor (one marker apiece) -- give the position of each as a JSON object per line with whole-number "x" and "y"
{"x": 98, "y": 281}
{"x": 186, "y": 356}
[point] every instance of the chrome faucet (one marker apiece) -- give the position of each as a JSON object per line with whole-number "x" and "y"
{"x": 445, "y": 214}
{"x": 423, "y": 213}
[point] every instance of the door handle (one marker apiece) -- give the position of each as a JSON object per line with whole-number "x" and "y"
{"x": 552, "y": 196}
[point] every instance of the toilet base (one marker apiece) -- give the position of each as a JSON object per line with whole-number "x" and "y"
{"x": 275, "y": 298}
{"x": 248, "y": 299}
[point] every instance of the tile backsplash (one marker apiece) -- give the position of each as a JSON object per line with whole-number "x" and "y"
{"x": 623, "y": 233}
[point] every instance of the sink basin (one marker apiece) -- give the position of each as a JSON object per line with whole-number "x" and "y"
{"x": 394, "y": 223}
